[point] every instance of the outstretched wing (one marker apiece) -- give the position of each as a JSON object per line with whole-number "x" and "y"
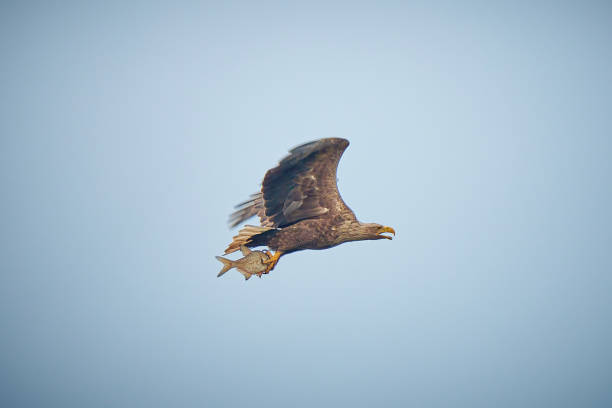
{"x": 302, "y": 186}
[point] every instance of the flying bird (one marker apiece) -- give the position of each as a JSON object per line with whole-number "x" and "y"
{"x": 299, "y": 206}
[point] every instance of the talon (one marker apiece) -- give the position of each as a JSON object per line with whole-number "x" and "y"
{"x": 272, "y": 261}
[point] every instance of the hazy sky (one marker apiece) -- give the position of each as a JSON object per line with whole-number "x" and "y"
{"x": 482, "y": 133}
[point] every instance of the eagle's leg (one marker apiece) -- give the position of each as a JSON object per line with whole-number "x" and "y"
{"x": 271, "y": 262}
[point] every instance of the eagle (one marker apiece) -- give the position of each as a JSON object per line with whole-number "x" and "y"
{"x": 299, "y": 206}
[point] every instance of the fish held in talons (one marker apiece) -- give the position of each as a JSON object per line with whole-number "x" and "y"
{"x": 253, "y": 263}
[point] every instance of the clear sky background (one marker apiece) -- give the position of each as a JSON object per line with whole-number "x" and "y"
{"x": 481, "y": 132}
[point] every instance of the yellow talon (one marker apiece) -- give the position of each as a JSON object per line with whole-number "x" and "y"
{"x": 272, "y": 261}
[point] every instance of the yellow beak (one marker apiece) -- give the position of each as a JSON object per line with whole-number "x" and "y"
{"x": 386, "y": 229}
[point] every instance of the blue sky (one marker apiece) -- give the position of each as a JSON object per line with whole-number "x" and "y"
{"x": 481, "y": 132}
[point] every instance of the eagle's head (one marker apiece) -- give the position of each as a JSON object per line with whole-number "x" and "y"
{"x": 368, "y": 231}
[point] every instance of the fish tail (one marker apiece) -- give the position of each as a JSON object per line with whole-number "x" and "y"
{"x": 227, "y": 265}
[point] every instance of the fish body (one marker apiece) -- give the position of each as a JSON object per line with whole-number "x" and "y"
{"x": 252, "y": 263}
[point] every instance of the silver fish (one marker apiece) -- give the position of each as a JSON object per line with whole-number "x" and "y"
{"x": 251, "y": 264}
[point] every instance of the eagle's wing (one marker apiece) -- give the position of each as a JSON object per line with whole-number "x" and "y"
{"x": 303, "y": 185}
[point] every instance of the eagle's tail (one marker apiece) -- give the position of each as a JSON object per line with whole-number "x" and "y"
{"x": 244, "y": 236}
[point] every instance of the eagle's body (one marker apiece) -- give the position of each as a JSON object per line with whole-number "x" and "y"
{"x": 306, "y": 234}
{"x": 299, "y": 205}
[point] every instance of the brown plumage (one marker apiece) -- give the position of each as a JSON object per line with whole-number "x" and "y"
{"x": 299, "y": 205}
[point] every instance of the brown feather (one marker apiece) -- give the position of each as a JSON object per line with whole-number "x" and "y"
{"x": 302, "y": 186}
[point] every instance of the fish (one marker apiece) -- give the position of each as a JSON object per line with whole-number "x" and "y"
{"x": 253, "y": 263}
